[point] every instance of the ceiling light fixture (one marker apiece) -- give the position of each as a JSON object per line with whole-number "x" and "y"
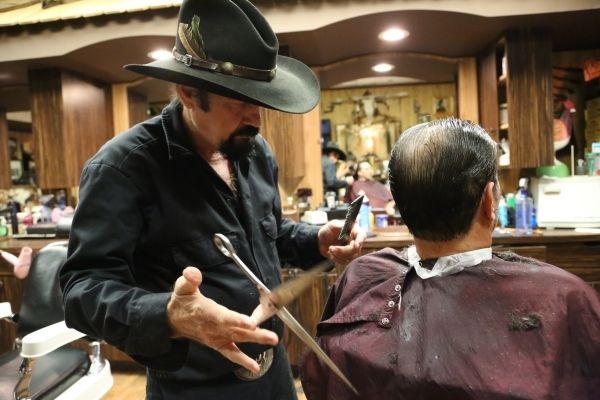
{"x": 160, "y": 54}
{"x": 393, "y": 34}
{"x": 382, "y": 67}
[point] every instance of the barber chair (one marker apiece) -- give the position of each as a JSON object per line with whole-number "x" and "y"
{"x": 43, "y": 365}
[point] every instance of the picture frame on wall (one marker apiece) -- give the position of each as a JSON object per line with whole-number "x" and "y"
{"x": 443, "y": 106}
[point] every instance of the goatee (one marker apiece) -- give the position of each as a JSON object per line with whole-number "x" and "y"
{"x": 240, "y": 143}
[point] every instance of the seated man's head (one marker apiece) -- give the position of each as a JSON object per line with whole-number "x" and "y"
{"x": 364, "y": 171}
{"x": 443, "y": 178}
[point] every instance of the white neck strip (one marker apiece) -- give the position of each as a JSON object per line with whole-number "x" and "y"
{"x": 448, "y": 265}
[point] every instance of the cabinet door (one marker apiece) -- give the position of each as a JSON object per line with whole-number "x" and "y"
{"x": 581, "y": 259}
{"x": 525, "y": 86}
{"x": 529, "y": 98}
{"x": 488, "y": 94}
{"x": 307, "y": 309}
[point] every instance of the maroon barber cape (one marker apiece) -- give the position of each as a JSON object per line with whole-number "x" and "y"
{"x": 508, "y": 328}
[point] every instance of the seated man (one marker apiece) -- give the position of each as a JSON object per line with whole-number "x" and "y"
{"x": 447, "y": 318}
{"x": 378, "y": 194}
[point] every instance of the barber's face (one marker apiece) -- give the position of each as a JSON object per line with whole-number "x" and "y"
{"x": 229, "y": 125}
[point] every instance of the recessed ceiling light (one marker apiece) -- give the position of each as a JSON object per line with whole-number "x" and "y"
{"x": 160, "y": 54}
{"x": 382, "y": 67}
{"x": 393, "y": 34}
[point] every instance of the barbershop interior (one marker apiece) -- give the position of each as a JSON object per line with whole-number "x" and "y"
{"x": 527, "y": 72}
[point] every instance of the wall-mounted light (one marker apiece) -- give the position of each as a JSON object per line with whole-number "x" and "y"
{"x": 382, "y": 67}
{"x": 393, "y": 34}
{"x": 160, "y": 54}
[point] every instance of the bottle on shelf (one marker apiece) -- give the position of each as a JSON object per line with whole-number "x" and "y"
{"x": 502, "y": 213}
{"x": 523, "y": 208}
{"x": 364, "y": 215}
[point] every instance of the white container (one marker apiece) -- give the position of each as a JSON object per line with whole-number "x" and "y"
{"x": 570, "y": 202}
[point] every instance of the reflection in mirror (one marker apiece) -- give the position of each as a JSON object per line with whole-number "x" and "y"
{"x": 21, "y": 148}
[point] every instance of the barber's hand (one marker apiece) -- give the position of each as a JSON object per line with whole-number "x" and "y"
{"x": 194, "y": 316}
{"x": 330, "y": 247}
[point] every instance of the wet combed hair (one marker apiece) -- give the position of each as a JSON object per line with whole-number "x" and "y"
{"x": 438, "y": 172}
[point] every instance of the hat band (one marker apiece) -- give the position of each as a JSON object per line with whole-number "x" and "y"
{"x": 226, "y": 67}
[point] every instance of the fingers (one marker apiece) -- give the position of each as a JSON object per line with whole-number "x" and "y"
{"x": 234, "y": 354}
{"x": 188, "y": 282}
{"x": 260, "y": 336}
{"x": 345, "y": 254}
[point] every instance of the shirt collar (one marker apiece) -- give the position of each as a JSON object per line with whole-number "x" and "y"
{"x": 448, "y": 265}
{"x": 178, "y": 144}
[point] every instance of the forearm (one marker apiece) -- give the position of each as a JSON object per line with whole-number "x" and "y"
{"x": 298, "y": 243}
{"x": 129, "y": 318}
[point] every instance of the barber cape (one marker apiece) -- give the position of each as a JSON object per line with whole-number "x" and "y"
{"x": 499, "y": 327}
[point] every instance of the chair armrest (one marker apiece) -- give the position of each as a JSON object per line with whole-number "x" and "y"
{"x": 5, "y": 310}
{"x": 47, "y": 339}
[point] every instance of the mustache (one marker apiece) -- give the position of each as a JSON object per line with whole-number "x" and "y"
{"x": 245, "y": 131}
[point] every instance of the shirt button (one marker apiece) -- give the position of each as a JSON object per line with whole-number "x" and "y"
{"x": 397, "y": 288}
{"x": 391, "y": 303}
{"x": 385, "y": 321}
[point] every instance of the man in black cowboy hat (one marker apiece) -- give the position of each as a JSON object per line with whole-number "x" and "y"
{"x": 143, "y": 272}
{"x": 331, "y": 155}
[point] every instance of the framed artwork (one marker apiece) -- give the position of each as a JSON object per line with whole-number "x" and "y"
{"x": 443, "y": 106}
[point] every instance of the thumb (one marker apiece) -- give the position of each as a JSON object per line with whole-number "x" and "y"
{"x": 188, "y": 282}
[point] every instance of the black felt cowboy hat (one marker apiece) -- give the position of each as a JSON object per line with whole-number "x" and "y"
{"x": 331, "y": 146}
{"x": 227, "y": 47}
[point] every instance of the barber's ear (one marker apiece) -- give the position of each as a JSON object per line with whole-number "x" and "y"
{"x": 488, "y": 203}
{"x": 186, "y": 95}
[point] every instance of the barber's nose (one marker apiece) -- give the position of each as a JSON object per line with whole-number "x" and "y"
{"x": 252, "y": 115}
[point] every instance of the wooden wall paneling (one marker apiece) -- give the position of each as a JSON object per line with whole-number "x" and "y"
{"x": 313, "y": 171}
{"x": 71, "y": 119}
{"x": 137, "y": 106}
{"x": 488, "y": 94}
{"x": 294, "y": 139}
{"x": 468, "y": 107}
{"x": 87, "y": 122}
{"x": 581, "y": 259}
{"x": 120, "y": 105}
{"x": 5, "y": 180}
{"x": 47, "y": 127}
{"x": 530, "y": 110}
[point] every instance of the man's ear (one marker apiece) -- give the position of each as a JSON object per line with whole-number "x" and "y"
{"x": 488, "y": 203}
{"x": 186, "y": 95}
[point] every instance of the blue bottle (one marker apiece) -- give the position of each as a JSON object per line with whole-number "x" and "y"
{"x": 523, "y": 207}
{"x": 364, "y": 215}
{"x": 502, "y": 213}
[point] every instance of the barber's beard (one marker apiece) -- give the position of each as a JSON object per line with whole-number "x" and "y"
{"x": 240, "y": 143}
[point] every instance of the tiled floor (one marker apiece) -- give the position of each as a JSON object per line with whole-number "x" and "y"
{"x": 131, "y": 385}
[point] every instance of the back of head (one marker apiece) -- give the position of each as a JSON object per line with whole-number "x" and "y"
{"x": 438, "y": 172}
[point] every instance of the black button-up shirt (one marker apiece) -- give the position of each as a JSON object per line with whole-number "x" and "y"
{"x": 149, "y": 207}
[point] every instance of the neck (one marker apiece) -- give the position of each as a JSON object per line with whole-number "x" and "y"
{"x": 204, "y": 147}
{"x": 478, "y": 237}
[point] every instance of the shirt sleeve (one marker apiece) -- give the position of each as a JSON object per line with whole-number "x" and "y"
{"x": 100, "y": 294}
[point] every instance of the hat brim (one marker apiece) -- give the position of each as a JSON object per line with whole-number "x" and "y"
{"x": 294, "y": 89}
{"x": 341, "y": 154}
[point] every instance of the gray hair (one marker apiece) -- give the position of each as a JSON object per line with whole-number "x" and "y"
{"x": 438, "y": 172}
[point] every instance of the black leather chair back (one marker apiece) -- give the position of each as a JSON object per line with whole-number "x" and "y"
{"x": 42, "y": 298}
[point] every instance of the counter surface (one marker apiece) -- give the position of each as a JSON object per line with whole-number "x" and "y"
{"x": 398, "y": 237}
